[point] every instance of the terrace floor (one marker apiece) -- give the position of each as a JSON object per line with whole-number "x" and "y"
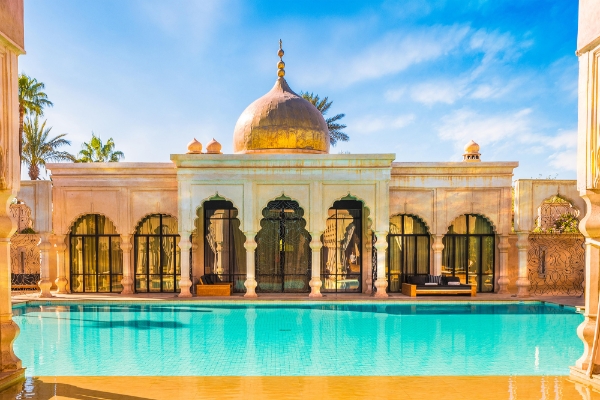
{"x": 347, "y": 387}
{"x": 575, "y": 301}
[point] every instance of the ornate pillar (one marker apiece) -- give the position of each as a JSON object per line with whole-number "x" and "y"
{"x": 44, "y": 282}
{"x": 9, "y": 330}
{"x": 523, "y": 277}
{"x": 128, "y": 274}
{"x": 503, "y": 280}
{"x": 250, "y": 246}
{"x": 315, "y": 281}
{"x": 381, "y": 245}
{"x": 62, "y": 283}
{"x": 184, "y": 247}
{"x": 586, "y": 329}
{"x": 438, "y": 248}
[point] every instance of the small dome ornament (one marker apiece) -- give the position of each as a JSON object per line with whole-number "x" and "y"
{"x": 280, "y": 64}
{"x": 194, "y": 147}
{"x": 213, "y": 147}
{"x": 472, "y": 152}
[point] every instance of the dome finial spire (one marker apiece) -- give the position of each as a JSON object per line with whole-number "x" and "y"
{"x": 280, "y": 64}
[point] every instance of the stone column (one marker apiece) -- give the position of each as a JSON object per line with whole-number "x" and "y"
{"x": 184, "y": 247}
{"x": 128, "y": 274}
{"x": 381, "y": 245}
{"x": 438, "y": 248}
{"x": 523, "y": 278}
{"x": 62, "y": 284}
{"x": 503, "y": 280}
{"x": 315, "y": 281}
{"x": 9, "y": 330}
{"x": 586, "y": 329}
{"x": 44, "y": 282}
{"x": 250, "y": 246}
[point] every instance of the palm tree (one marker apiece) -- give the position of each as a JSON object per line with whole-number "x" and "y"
{"x": 38, "y": 149}
{"x": 96, "y": 151}
{"x": 32, "y": 100}
{"x": 335, "y": 129}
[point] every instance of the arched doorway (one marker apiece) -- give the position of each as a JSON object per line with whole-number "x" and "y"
{"x": 96, "y": 256}
{"x": 224, "y": 252}
{"x": 408, "y": 250}
{"x": 469, "y": 251}
{"x": 157, "y": 258}
{"x": 283, "y": 259}
{"x": 341, "y": 254}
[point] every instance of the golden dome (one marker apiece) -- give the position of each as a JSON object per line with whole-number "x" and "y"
{"x": 213, "y": 147}
{"x": 194, "y": 147}
{"x": 281, "y": 122}
{"x": 472, "y": 152}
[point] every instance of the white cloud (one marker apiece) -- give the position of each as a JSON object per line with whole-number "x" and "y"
{"x": 465, "y": 124}
{"x": 371, "y": 124}
{"x": 437, "y": 92}
{"x": 395, "y": 52}
{"x": 188, "y": 18}
{"x": 565, "y": 160}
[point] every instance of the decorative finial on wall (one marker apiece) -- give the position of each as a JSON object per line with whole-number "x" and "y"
{"x": 280, "y": 64}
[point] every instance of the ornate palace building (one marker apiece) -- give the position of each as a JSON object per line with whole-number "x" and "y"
{"x": 281, "y": 214}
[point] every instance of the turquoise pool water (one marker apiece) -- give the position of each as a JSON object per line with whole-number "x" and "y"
{"x": 251, "y": 339}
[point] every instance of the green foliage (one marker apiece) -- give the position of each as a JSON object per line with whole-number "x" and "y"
{"x": 28, "y": 231}
{"x": 39, "y": 149}
{"x": 567, "y": 223}
{"x": 96, "y": 151}
{"x": 334, "y": 127}
{"x": 32, "y": 101}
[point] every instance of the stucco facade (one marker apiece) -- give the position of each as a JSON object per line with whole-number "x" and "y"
{"x": 436, "y": 193}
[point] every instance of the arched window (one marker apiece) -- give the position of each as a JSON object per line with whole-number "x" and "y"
{"x": 283, "y": 259}
{"x": 224, "y": 252}
{"x": 157, "y": 256}
{"x": 96, "y": 256}
{"x": 341, "y": 254}
{"x": 469, "y": 251}
{"x": 408, "y": 251}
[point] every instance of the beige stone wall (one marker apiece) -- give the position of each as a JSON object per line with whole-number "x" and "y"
{"x": 11, "y": 22}
{"x": 588, "y": 34}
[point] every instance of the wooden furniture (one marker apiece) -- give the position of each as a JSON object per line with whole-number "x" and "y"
{"x": 211, "y": 285}
{"x": 217, "y": 289}
{"x": 414, "y": 290}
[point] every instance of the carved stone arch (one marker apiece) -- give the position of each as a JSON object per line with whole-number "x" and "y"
{"x": 458, "y": 215}
{"x": 217, "y": 196}
{"x": 139, "y": 222}
{"x": 282, "y": 196}
{"x": 74, "y": 221}
{"x": 367, "y": 211}
{"x": 21, "y": 213}
{"x": 417, "y": 217}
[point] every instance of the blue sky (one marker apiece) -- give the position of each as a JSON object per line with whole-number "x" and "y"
{"x": 417, "y": 78}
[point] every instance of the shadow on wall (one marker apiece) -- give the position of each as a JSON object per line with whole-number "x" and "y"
{"x": 34, "y": 388}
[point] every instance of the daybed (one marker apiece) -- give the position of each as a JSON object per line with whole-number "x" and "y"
{"x": 437, "y": 285}
{"x": 211, "y": 285}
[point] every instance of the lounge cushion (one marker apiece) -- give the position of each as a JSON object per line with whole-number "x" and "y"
{"x": 452, "y": 279}
{"x": 204, "y": 280}
{"x": 417, "y": 279}
{"x": 434, "y": 279}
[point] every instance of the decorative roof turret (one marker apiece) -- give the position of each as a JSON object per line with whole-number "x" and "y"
{"x": 213, "y": 147}
{"x": 472, "y": 152}
{"x": 194, "y": 147}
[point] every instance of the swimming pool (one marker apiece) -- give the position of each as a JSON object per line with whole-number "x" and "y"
{"x": 297, "y": 339}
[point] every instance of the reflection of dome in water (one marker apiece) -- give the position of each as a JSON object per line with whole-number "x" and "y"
{"x": 281, "y": 122}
